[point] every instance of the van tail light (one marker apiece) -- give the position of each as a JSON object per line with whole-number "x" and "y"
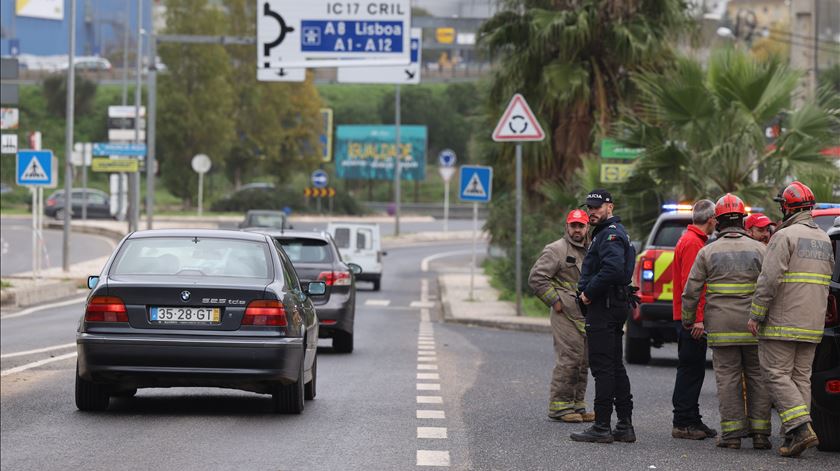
{"x": 832, "y": 386}
{"x": 647, "y": 276}
{"x": 832, "y": 317}
{"x": 335, "y": 278}
{"x": 106, "y": 309}
{"x": 265, "y": 312}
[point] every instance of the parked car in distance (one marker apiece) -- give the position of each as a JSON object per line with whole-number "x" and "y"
{"x": 316, "y": 258}
{"x": 361, "y": 244}
{"x": 98, "y": 204}
{"x": 198, "y": 307}
{"x": 265, "y": 219}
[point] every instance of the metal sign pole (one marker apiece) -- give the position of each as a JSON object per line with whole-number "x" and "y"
{"x": 518, "y": 229}
{"x": 397, "y": 119}
{"x": 41, "y": 245}
{"x": 446, "y": 208}
{"x": 34, "y": 232}
{"x": 134, "y": 177}
{"x": 200, "y": 192}
{"x": 68, "y": 140}
{"x": 86, "y": 149}
{"x": 474, "y": 250}
{"x": 150, "y": 130}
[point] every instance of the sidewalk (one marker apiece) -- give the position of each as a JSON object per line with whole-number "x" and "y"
{"x": 486, "y": 310}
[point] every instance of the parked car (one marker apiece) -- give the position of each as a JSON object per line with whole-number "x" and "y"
{"x": 825, "y": 376}
{"x": 316, "y": 258}
{"x": 98, "y": 204}
{"x": 360, "y": 244}
{"x": 265, "y": 219}
{"x": 197, "y": 307}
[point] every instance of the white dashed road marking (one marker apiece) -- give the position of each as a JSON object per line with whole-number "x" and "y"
{"x": 430, "y": 414}
{"x": 430, "y": 399}
{"x": 426, "y": 367}
{"x": 427, "y": 360}
{"x": 428, "y": 376}
{"x": 431, "y": 432}
{"x": 428, "y": 387}
{"x": 432, "y": 458}
{"x": 422, "y": 304}
{"x": 378, "y": 302}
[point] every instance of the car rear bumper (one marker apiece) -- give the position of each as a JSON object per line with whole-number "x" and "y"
{"x": 365, "y": 276}
{"x": 337, "y": 314}
{"x": 657, "y": 314}
{"x": 164, "y": 361}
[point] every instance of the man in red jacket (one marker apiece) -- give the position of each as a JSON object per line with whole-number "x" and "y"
{"x": 691, "y": 371}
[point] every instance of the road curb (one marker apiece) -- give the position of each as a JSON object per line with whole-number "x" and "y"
{"x": 501, "y": 324}
{"x": 37, "y": 294}
{"x": 85, "y": 229}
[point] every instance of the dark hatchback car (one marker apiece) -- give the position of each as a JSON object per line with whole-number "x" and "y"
{"x": 316, "y": 258}
{"x": 825, "y": 376}
{"x": 209, "y": 308}
{"x": 98, "y": 204}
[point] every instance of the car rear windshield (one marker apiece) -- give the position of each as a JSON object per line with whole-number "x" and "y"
{"x": 193, "y": 256}
{"x": 267, "y": 220}
{"x": 669, "y": 233}
{"x": 303, "y": 250}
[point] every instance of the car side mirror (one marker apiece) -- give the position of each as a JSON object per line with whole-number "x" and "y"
{"x": 93, "y": 281}
{"x": 355, "y": 268}
{"x": 315, "y": 288}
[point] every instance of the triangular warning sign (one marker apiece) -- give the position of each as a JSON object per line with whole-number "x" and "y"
{"x": 518, "y": 123}
{"x": 475, "y": 188}
{"x": 34, "y": 172}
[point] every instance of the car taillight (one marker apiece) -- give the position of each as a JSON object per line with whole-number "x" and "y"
{"x": 50, "y": 202}
{"x": 647, "y": 276}
{"x": 832, "y": 386}
{"x": 335, "y": 278}
{"x": 832, "y": 317}
{"x": 106, "y": 309}
{"x": 265, "y": 312}
{"x": 329, "y": 321}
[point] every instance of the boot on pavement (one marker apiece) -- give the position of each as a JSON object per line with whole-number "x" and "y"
{"x": 733, "y": 443}
{"x": 691, "y": 432}
{"x": 597, "y": 433}
{"x": 801, "y": 438}
{"x": 572, "y": 418}
{"x": 624, "y": 432}
{"x": 586, "y": 416}
{"x": 761, "y": 442}
{"x": 710, "y": 432}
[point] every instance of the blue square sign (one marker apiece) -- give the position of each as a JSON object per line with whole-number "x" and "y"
{"x": 35, "y": 168}
{"x": 476, "y": 183}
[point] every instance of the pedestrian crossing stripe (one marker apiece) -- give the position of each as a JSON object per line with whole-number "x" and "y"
{"x": 35, "y": 172}
{"x": 475, "y": 188}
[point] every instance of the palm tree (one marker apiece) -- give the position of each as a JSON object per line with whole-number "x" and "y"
{"x": 571, "y": 59}
{"x": 704, "y": 132}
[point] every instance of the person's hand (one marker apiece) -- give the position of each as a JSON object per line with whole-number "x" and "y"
{"x": 584, "y": 299}
{"x": 697, "y": 330}
{"x": 558, "y": 307}
{"x": 752, "y": 326}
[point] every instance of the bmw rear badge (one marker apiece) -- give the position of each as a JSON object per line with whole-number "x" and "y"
{"x": 185, "y": 295}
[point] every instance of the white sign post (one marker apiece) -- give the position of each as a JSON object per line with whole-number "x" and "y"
{"x": 518, "y": 124}
{"x": 475, "y": 185}
{"x": 201, "y": 164}
{"x": 447, "y": 159}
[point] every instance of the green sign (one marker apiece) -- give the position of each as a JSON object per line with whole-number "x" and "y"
{"x": 616, "y": 173}
{"x": 612, "y": 149}
{"x": 365, "y": 152}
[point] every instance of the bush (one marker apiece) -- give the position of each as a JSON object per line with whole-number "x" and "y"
{"x": 55, "y": 91}
{"x": 258, "y": 198}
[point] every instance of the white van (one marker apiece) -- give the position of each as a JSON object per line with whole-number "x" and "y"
{"x": 360, "y": 244}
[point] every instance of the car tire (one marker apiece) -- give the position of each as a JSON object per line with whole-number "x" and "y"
{"x": 309, "y": 390}
{"x": 376, "y": 284}
{"x": 637, "y": 350}
{"x": 90, "y": 396}
{"x": 343, "y": 342}
{"x": 288, "y": 398}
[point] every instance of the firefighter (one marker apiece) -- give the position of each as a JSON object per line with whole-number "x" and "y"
{"x": 759, "y": 227}
{"x": 728, "y": 269}
{"x": 606, "y": 294}
{"x": 788, "y": 313}
{"x": 554, "y": 280}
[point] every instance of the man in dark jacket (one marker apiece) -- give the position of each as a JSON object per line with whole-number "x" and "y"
{"x": 605, "y": 294}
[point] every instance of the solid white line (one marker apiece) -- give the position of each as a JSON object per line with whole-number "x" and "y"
{"x": 431, "y": 414}
{"x": 428, "y": 387}
{"x": 428, "y": 376}
{"x": 427, "y": 367}
{"x": 36, "y": 364}
{"x": 431, "y": 432}
{"x": 31, "y": 310}
{"x": 424, "y": 264}
{"x": 378, "y": 302}
{"x": 430, "y": 399}
{"x": 422, "y": 304}
{"x": 39, "y": 350}
{"x": 432, "y": 458}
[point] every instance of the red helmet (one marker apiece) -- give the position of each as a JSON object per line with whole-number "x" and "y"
{"x": 796, "y": 196}
{"x": 730, "y": 204}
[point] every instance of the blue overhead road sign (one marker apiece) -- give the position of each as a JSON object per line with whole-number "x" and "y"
{"x": 476, "y": 183}
{"x": 35, "y": 168}
{"x": 130, "y": 150}
{"x": 319, "y": 179}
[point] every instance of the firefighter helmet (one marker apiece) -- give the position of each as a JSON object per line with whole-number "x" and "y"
{"x": 730, "y": 204}
{"x": 796, "y": 196}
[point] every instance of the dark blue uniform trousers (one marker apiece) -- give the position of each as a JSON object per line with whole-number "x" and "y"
{"x": 604, "y": 331}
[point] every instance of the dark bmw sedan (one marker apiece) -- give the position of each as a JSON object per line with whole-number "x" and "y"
{"x": 209, "y": 308}
{"x": 316, "y": 258}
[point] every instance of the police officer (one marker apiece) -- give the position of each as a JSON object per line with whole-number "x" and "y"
{"x": 606, "y": 295}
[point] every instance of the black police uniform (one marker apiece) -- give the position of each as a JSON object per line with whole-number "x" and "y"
{"x": 605, "y": 278}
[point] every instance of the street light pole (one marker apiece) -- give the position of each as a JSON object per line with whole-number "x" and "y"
{"x": 134, "y": 177}
{"x": 397, "y": 176}
{"x": 68, "y": 140}
{"x": 150, "y": 128}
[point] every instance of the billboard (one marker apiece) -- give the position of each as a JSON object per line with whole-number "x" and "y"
{"x": 366, "y": 152}
{"x": 44, "y": 9}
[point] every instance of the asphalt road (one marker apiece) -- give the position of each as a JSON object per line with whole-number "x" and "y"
{"x": 485, "y": 403}
{"x": 16, "y": 246}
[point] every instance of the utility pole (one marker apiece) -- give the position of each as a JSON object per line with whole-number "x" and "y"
{"x": 68, "y": 140}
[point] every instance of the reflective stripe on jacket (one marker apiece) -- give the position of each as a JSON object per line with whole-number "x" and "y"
{"x": 728, "y": 268}
{"x": 555, "y": 274}
{"x": 792, "y": 291}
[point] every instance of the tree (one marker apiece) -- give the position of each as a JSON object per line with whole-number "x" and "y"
{"x": 196, "y": 98}
{"x": 703, "y": 132}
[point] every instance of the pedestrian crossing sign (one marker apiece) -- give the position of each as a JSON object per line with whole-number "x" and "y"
{"x": 476, "y": 183}
{"x": 36, "y": 168}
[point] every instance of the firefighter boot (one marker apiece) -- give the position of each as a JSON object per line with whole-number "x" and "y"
{"x": 570, "y": 418}
{"x": 586, "y": 416}
{"x": 802, "y": 438}
{"x": 761, "y": 442}
{"x": 624, "y": 431}
{"x": 597, "y": 433}
{"x": 733, "y": 443}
